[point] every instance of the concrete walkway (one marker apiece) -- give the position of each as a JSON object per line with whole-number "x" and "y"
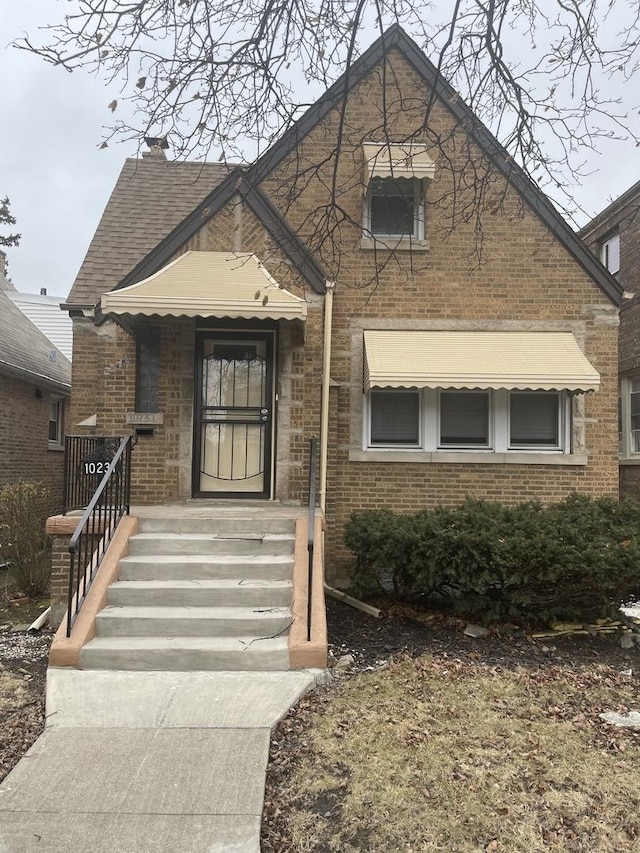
{"x": 148, "y": 762}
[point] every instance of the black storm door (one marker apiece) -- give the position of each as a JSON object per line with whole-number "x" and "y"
{"x": 233, "y": 418}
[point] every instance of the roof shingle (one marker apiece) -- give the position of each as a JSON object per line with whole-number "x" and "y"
{"x": 150, "y": 198}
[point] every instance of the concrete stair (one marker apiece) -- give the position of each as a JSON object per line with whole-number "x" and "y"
{"x": 199, "y": 594}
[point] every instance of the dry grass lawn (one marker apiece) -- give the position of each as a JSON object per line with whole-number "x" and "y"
{"x": 437, "y": 755}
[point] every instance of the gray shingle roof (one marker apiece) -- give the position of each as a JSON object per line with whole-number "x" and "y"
{"x": 26, "y": 353}
{"x": 150, "y": 198}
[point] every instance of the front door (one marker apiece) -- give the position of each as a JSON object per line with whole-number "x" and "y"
{"x": 233, "y": 414}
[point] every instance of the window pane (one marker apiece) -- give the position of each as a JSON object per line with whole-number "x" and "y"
{"x": 395, "y": 417}
{"x": 534, "y": 419}
{"x": 634, "y": 401}
{"x": 54, "y": 421}
{"x": 464, "y": 418}
{"x": 392, "y": 206}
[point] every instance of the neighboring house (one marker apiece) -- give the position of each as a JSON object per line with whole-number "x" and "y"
{"x": 614, "y": 236}
{"x": 456, "y": 365}
{"x": 35, "y": 383}
{"x": 45, "y": 312}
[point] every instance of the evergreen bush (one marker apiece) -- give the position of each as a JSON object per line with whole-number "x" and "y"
{"x": 576, "y": 559}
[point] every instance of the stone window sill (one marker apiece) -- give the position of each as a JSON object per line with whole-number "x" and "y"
{"x": 394, "y": 244}
{"x": 53, "y": 445}
{"x": 468, "y": 458}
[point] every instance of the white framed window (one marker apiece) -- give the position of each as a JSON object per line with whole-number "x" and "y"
{"x": 497, "y": 421}
{"x": 395, "y": 208}
{"x": 629, "y": 417}
{"x": 610, "y": 253}
{"x": 56, "y": 422}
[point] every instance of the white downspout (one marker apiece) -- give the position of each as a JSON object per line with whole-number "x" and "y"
{"x": 324, "y": 440}
{"x": 324, "y": 404}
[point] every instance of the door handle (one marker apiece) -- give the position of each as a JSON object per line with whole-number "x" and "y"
{"x": 264, "y": 415}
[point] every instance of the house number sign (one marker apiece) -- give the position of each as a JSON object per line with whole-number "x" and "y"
{"x": 145, "y": 418}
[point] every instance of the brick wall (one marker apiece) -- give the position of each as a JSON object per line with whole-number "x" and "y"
{"x": 24, "y": 432}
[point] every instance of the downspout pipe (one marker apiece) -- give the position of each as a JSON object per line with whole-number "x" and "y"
{"x": 324, "y": 404}
{"x": 324, "y": 440}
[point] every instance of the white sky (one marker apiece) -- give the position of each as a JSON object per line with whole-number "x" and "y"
{"x": 58, "y": 180}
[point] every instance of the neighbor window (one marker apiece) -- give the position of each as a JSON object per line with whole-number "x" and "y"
{"x": 56, "y": 409}
{"x": 610, "y": 253}
{"x": 497, "y": 420}
{"x": 629, "y": 416}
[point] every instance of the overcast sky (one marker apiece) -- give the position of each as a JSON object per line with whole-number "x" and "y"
{"x": 59, "y": 181}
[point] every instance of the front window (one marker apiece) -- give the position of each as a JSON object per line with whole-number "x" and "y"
{"x": 395, "y": 418}
{"x": 534, "y": 419}
{"x": 497, "y": 421}
{"x": 464, "y": 419}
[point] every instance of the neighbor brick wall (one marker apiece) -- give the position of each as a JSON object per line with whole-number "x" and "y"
{"x": 24, "y": 432}
{"x": 625, "y": 219}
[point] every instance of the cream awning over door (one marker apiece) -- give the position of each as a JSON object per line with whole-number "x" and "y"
{"x": 448, "y": 359}
{"x": 208, "y": 284}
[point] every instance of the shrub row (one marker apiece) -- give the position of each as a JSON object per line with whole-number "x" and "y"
{"x": 577, "y": 559}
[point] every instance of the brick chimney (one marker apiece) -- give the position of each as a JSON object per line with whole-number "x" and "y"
{"x": 157, "y": 146}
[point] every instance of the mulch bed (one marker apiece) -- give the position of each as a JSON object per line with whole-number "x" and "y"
{"x": 402, "y": 632}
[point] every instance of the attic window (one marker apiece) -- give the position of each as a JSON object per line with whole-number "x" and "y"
{"x": 394, "y": 177}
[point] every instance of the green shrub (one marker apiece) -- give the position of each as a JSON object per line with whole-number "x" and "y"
{"x": 579, "y": 558}
{"x": 24, "y": 545}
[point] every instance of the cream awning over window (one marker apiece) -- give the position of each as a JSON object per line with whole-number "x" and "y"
{"x": 397, "y": 160}
{"x": 547, "y": 361}
{"x": 208, "y": 284}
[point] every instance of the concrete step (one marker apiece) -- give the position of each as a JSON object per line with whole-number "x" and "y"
{"x": 201, "y": 593}
{"x": 222, "y": 525}
{"x": 197, "y": 567}
{"x": 211, "y": 543}
{"x": 176, "y": 654}
{"x": 115, "y": 621}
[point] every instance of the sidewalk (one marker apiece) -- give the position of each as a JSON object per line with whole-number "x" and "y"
{"x": 148, "y": 762}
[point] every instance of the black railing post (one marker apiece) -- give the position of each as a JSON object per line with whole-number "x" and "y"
{"x": 313, "y": 471}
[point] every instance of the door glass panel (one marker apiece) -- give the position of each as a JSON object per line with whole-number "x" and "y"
{"x": 234, "y": 412}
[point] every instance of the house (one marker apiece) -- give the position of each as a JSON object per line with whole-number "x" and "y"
{"x": 431, "y": 318}
{"x": 614, "y": 237}
{"x": 35, "y": 383}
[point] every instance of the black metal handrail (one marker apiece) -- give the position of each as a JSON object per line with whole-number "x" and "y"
{"x": 89, "y": 543}
{"x": 313, "y": 474}
{"x": 86, "y": 458}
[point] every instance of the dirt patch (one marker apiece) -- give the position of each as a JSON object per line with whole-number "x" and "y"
{"x": 437, "y": 741}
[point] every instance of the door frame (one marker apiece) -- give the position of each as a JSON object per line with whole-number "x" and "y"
{"x": 240, "y": 331}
